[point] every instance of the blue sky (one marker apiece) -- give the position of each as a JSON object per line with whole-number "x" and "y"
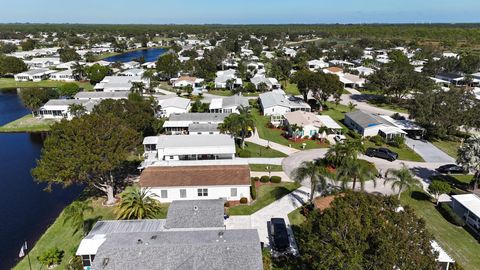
{"x": 239, "y": 11}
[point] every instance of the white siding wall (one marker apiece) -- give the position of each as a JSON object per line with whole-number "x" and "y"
{"x": 214, "y": 192}
{"x": 166, "y": 112}
{"x": 277, "y": 110}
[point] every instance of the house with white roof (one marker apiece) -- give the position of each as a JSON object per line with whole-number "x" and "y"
{"x": 44, "y": 62}
{"x": 60, "y": 108}
{"x": 276, "y": 104}
{"x": 310, "y": 123}
{"x": 172, "y": 104}
{"x": 194, "y": 123}
{"x": 184, "y": 81}
{"x": 130, "y": 65}
{"x": 271, "y": 83}
{"x": 314, "y": 65}
{"x": 223, "y": 76}
{"x": 228, "y": 104}
{"x": 364, "y": 71}
{"x": 91, "y": 95}
{"x": 351, "y": 81}
{"x": 256, "y": 68}
{"x": 119, "y": 83}
{"x": 35, "y": 75}
{"x": 134, "y": 72}
{"x": 290, "y": 52}
{"x": 68, "y": 65}
{"x": 64, "y": 75}
{"x": 467, "y": 206}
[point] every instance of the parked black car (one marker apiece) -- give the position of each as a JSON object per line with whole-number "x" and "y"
{"x": 381, "y": 153}
{"x": 279, "y": 235}
{"x": 451, "y": 168}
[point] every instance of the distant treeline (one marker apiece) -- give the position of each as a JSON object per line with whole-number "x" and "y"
{"x": 435, "y": 32}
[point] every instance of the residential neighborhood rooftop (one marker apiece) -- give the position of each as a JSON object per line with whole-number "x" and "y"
{"x": 195, "y": 214}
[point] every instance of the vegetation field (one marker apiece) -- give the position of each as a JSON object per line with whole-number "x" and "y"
{"x": 263, "y": 168}
{"x": 11, "y": 83}
{"x": 255, "y": 150}
{"x": 28, "y": 123}
{"x": 266, "y": 194}
{"x": 456, "y": 241}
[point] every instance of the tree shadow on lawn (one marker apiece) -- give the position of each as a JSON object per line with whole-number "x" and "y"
{"x": 420, "y": 196}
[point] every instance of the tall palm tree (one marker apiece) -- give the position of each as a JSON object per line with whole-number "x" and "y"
{"x": 352, "y": 170}
{"x": 149, "y": 75}
{"x": 239, "y": 125}
{"x": 78, "y": 71}
{"x": 137, "y": 203}
{"x": 75, "y": 213}
{"x": 316, "y": 172}
{"x": 341, "y": 152}
{"x": 401, "y": 179}
{"x": 138, "y": 87}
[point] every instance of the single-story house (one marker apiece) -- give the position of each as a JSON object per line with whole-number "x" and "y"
{"x": 189, "y": 147}
{"x": 333, "y": 70}
{"x": 467, "y": 206}
{"x": 170, "y": 105}
{"x": 228, "y": 104}
{"x": 59, "y": 108}
{"x": 68, "y": 65}
{"x": 35, "y": 75}
{"x": 65, "y": 75}
{"x": 310, "y": 123}
{"x": 223, "y": 76}
{"x": 367, "y": 125}
{"x": 169, "y": 183}
{"x": 44, "y": 62}
{"x": 90, "y": 95}
{"x": 314, "y": 65}
{"x": 443, "y": 259}
{"x": 134, "y": 72}
{"x": 182, "y": 123}
{"x": 119, "y": 83}
{"x": 351, "y": 81}
{"x": 193, "y": 236}
{"x": 184, "y": 81}
{"x": 341, "y": 63}
{"x": 271, "y": 83}
{"x": 453, "y": 78}
{"x": 130, "y": 65}
{"x": 278, "y": 103}
{"x": 364, "y": 71}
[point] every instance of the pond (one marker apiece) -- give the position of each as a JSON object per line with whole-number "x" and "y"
{"x": 150, "y": 55}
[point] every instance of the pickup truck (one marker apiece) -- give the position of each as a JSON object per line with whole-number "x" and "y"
{"x": 381, "y": 153}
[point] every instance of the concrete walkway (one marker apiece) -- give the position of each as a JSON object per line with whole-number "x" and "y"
{"x": 272, "y": 161}
{"x": 428, "y": 151}
{"x": 255, "y": 138}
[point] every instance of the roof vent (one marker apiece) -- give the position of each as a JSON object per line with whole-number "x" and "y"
{"x": 153, "y": 237}
{"x": 139, "y": 241}
{"x": 220, "y": 234}
{"x": 195, "y": 208}
{"x": 105, "y": 262}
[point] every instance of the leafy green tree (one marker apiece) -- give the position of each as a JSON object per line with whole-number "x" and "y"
{"x": 68, "y": 89}
{"x": 51, "y": 257}
{"x": 7, "y": 47}
{"x": 69, "y": 54}
{"x": 87, "y": 150}
{"x": 75, "y": 214}
{"x": 401, "y": 180}
{"x": 239, "y": 125}
{"x": 97, "y": 72}
{"x": 34, "y": 98}
{"x": 438, "y": 188}
{"x": 137, "y": 203}
{"x": 28, "y": 45}
{"x": 364, "y": 231}
{"x": 11, "y": 65}
{"x": 77, "y": 110}
{"x": 168, "y": 65}
{"x": 281, "y": 69}
{"x": 469, "y": 157}
{"x": 315, "y": 172}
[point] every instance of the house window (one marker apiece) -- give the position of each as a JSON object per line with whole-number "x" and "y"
{"x": 183, "y": 193}
{"x": 86, "y": 260}
{"x": 233, "y": 192}
{"x": 163, "y": 194}
{"x": 202, "y": 192}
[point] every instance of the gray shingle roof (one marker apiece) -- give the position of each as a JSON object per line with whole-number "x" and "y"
{"x": 126, "y": 226}
{"x": 193, "y": 250}
{"x": 199, "y": 117}
{"x": 365, "y": 119}
{"x": 195, "y": 214}
{"x": 234, "y": 100}
{"x": 202, "y": 127}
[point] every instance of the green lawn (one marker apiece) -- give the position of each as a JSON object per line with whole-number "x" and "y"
{"x": 256, "y": 150}
{"x": 28, "y": 124}
{"x": 292, "y": 89}
{"x": 455, "y": 179}
{"x": 404, "y": 153}
{"x": 388, "y": 106}
{"x": 456, "y": 241}
{"x": 218, "y": 92}
{"x": 296, "y": 218}
{"x": 275, "y": 135}
{"x": 449, "y": 147}
{"x": 266, "y": 194}
{"x": 335, "y": 111}
{"x": 63, "y": 236}
{"x": 263, "y": 168}
{"x": 11, "y": 83}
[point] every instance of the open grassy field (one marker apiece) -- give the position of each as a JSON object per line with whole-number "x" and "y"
{"x": 275, "y": 135}
{"x": 28, "y": 123}
{"x": 456, "y": 241}
{"x": 11, "y": 83}
{"x": 256, "y": 150}
{"x": 266, "y": 194}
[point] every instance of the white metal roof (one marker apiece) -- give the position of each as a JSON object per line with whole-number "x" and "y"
{"x": 329, "y": 122}
{"x": 469, "y": 201}
{"x": 442, "y": 255}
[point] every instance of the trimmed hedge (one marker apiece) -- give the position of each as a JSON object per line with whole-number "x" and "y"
{"x": 256, "y": 179}
{"x": 275, "y": 179}
{"x": 447, "y": 212}
{"x": 264, "y": 179}
{"x": 243, "y": 200}
{"x": 253, "y": 190}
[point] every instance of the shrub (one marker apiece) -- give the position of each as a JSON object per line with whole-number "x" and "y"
{"x": 256, "y": 179}
{"x": 447, "y": 212}
{"x": 275, "y": 179}
{"x": 244, "y": 153}
{"x": 397, "y": 141}
{"x": 51, "y": 257}
{"x": 253, "y": 191}
{"x": 243, "y": 200}
{"x": 264, "y": 179}
{"x": 353, "y": 134}
{"x": 377, "y": 140}
{"x": 226, "y": 204}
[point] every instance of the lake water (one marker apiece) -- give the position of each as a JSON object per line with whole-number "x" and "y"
{"x": 150, "y": 55}
{"x": 26, "y": 210}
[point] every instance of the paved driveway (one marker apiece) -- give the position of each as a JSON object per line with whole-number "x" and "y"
{"x": 428, "y": 151}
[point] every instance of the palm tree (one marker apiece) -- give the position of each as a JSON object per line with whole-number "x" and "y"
{"x": 137, "y": 203}
{"x": 75, "y": 213}
{"x": 78, "y": 71}
{"x": 137, "y": 87}
{"x": 348, "y": 150}
{"x": 469, "y": 158}
{"x": 351, "y": 106}
{"x": 239, "y": 124}
{"x": 352, "y": 170}
{"x": 149, "y": 75}
{"x": 315, "y": 171}
{"x": 401, "y": 179}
